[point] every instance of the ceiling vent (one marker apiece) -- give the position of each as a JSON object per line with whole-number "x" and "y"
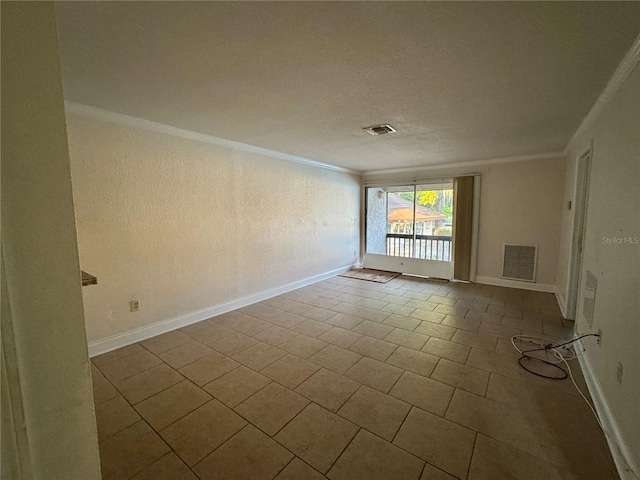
{"x": 379, "y": 130}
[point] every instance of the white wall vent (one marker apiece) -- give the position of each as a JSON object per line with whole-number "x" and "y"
{"x": 519, "y": 262}
{"x": 379, "y": 130}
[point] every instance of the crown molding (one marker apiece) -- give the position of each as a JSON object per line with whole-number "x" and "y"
{"x": 471, "y": 163}
{"x": 87, "y": 111}
{"x": 628, "y": 64}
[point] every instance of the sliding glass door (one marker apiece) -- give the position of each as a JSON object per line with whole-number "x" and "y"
{"x": 409, "y": 229}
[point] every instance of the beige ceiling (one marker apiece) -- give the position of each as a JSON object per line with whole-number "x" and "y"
{"x": 459, "y": 81}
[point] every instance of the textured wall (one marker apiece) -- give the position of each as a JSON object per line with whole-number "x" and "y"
{"x": 43, "y": 334}
{"x": 183, "y": 225}
{"x": 520, "y": 202}
{"x": 376, "y": 235}
{"x": 613, "y": 203}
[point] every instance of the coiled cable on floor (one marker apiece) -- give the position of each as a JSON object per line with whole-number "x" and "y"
{"x": 549, "y": 345}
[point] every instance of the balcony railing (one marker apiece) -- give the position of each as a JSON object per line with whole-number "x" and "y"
{"x": 430, "y": 247}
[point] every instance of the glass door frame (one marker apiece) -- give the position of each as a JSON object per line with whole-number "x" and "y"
{"x": 412, "y": 264}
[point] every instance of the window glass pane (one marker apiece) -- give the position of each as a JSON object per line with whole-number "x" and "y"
{"x": 434, "y": 221}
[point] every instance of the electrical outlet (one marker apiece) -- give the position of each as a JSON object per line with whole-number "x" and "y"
{"x": 134, "y": 305}
{"x": 599, "y": 337}
{"x": 620, "y": 372}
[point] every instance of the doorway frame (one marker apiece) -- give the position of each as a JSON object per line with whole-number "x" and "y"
{"x": 581, "y": 207}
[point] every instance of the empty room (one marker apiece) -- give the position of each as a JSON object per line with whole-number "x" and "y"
{"x": 304, "y": 240}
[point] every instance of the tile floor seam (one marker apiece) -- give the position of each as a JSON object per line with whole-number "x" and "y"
{"x": 203, "y": 458}
{"x": 159, "y": 391}
{"x": 434, "y": 369}
{"x": 515, "y": 447}
{"x": 285, "y": 467}
{"x": 401, "y": 424}
{"x": 423, "y": 469}
{"x": 141, "y": 371}
{"x": 297, "y": 415}
{"x": 287, "y": 423}
{"x": 399, "y": 428}
{"x": 345, "y": 448}
{"x": 209, "y": 383}
{"x": 111, "y": 383}
{"x": 444, "y": 415}
{"x": 115, "y": 359}
{"x": 163, "y": 441}
{"x": 473, "y": 451}
{"x": 254, "y": 393}
{"x": 186, "y": 414}
{"x": 133, "y": 406}
{"x": 404, "y": 370}
{"x": 343, "y": 403}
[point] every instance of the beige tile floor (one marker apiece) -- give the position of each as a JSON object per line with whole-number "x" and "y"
{"x": 348, "y": 379}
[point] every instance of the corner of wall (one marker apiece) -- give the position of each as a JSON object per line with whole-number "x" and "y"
{"x": 562, "y": 302}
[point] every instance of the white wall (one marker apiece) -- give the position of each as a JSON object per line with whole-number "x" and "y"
{"x": 520, "y": 202}
{"x": 613, "y": 211}
{"x": 184, "y": 225}
{"x": 44, "y": 344}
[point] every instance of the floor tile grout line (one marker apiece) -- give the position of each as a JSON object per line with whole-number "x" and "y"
{"x": 486, "y": 434}
{"x": 473, "y": 451}
{"x": 287, "y": 423}
{"x": 444, "y": 415}
{"x": 401, "y": 424}
{"x": 141, "y": 371}
{"x": 423, "y": 469}
{"x": 194, "y": 361}
{"x": 115, "y": 359}
{"x": 183, "y": 416}
{"x": 285, "y": 467}
{"x": 133, "y": 406}
{"x": 347, "y": 401}
{"x": 166, "y": 443}
{"x": 344, "y": 449}
{"x": 404, "y": 370}
{"x": 216, "y": 448}
{"x": 311, "y": 402}
{"x": 159, "y": 391}
{"x": 296, "y": 416}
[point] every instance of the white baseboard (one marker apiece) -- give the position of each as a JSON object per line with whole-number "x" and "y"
{"x": 621, "y": 453}
{"x": 132, "y": 336}
{"x": 501, "y": 282}
{"x": 562, "y": 303}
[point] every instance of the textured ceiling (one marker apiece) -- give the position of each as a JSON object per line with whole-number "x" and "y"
{"x": 459, "y": 81}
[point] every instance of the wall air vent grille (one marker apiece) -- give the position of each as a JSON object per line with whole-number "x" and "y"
{"x": 519, "y": 262}
{"x": 379, "y": 130}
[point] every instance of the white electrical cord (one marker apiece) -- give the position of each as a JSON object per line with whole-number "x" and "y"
{"x": 544, "y": 342}
{"x": 547, "y": 344}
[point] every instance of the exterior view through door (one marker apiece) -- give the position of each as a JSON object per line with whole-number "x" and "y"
{"x": 409, "y": 229}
